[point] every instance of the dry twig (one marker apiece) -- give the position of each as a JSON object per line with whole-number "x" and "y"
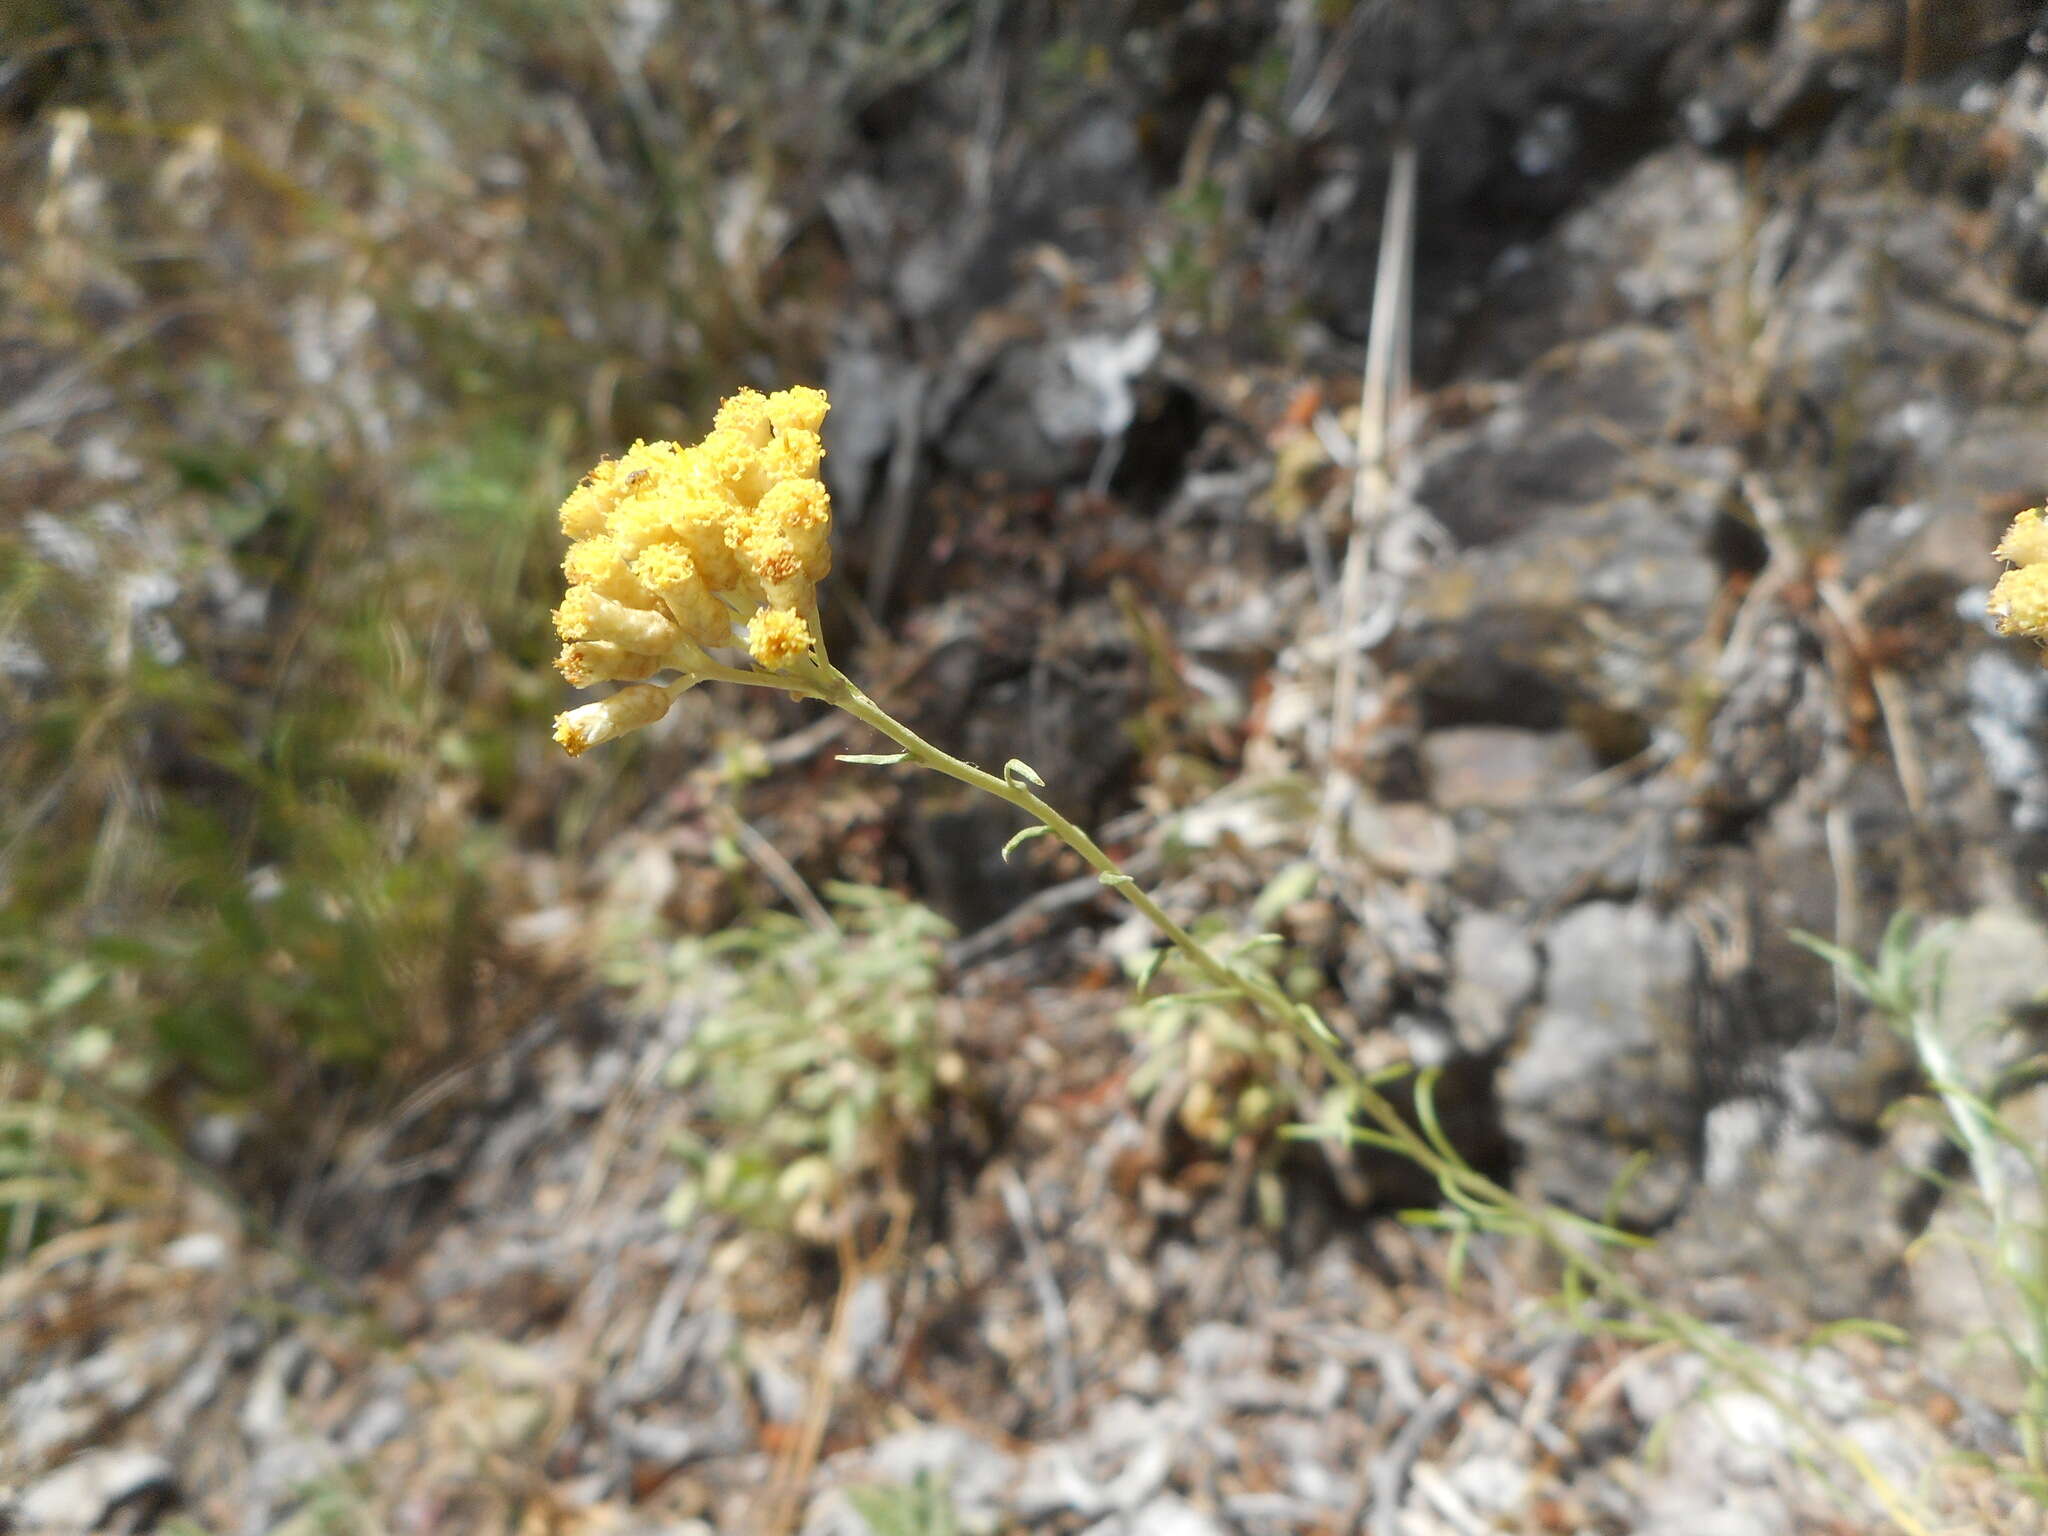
{"x": 1372, "y": 487}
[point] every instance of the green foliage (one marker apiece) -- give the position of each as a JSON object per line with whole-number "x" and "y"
{"x": 817, "y": 1067}
{"x": 922, "y": 1508}
{"x": 37, "y": 1186}
{"x": 1905, "y": 976}
{"x": 2008, "y": 1168}
{"x": 1228, "y": 1076}
{"x": 1230, "y": 1079}
{"x": 273, "y": 808}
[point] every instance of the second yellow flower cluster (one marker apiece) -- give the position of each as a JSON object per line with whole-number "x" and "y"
{"x": 2020, "y": 599}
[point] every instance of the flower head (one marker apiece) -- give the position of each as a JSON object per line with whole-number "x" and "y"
{"x": 777, "y": 639}
{"x": 2020, "y": 600}
{"x": 681, "y": 550}
{"x": 2026, "y": 541}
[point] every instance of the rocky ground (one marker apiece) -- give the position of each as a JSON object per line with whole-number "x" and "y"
{"x": 1729, "y": 362}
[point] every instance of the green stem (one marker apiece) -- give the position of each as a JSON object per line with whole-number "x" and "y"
{"x": 1490, "y": 1204}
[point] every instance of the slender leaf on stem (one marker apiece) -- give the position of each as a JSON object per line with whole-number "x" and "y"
{"x": 1149, "y": 971}
{"x": 1021, "y": 839}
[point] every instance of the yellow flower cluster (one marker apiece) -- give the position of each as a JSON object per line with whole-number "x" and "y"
{"x": 2020, "y": 600}
{"x": 679, "y": 550}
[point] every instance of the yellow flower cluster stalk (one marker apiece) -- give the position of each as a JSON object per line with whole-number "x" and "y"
{"x": 2020, "y": 600}
{"x": 681, "y": 551}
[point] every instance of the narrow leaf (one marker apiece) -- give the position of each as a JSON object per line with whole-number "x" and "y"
{"x": 878, "y": 759}
{"x": 1021, "y": 839}
{"x": 1149, "y": 971}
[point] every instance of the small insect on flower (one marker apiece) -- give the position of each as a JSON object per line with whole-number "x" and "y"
{"x": 680, "y": 551}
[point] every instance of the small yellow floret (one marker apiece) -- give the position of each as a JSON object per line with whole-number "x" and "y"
{"x": 777, "y": 639}
{"x": 2020, "y": 601}
{"x": 666, "y": 565}
{"x": 584, "y": 662}
{"x": 700, "y": 518}
{"x": 794, "y": 455}
{"x": 600, "y": 565}
{"x": 627, "y": 710}
{"x": 747, "y": 414}
{"x": 801, "y": 409}
{"x": 802, "y": 509}
{"x": 639, "y": 522}
{"x": 583, "y": 514}
{"x": 771, "y": 559}
{"x": 2026, "y": 541}
{"x": 669, "y": 570}
{"x": 584, "y": 615}
{"x": 726, "y": 461}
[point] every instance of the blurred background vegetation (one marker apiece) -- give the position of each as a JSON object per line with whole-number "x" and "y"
{"x": 309, "y": 316}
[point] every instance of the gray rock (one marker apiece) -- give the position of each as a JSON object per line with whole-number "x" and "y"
{"x": 1561, "y": 440}
{"x": 1606, "y": 1070}
{"x": 1994, "y": 964}
{"x": 83, "y": 1494}
{"x": 1552, "y": 855}
{"x": 2008, "y": 700}
{"x": 1497, "y": 766}
{"x": 1794, "y": 1216}
{"x": 1161, "y": 1517}
{"x": 1494, "y": 971}
{"x": 1588, "y": 614}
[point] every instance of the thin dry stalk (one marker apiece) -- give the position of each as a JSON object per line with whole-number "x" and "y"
{"x": 1372, "y": 486}
{"x": 1889, "y": 691}
{"x": 785, "y": 1501}
{"x": 780, "y": 872}
{"x": 1045, "y": 1288}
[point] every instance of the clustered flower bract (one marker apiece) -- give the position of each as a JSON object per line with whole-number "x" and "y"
{"x": 2020, "y": 599}
{"x": 681, "y": 550}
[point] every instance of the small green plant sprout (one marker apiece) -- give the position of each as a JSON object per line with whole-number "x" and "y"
{"x": 1970, "y": 1079}
{"x": 1231, "y": 1084}
{"x": 41, "y": 1175}
{"x": 922, "y": 1507}
{"x": 818, "y": 1069}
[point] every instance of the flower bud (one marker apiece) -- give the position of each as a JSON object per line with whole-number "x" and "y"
{"x": 2026, "y": 541}
{"x": 802, "y": 510}
{"x": 584, "y": 662}
{"x": 584, "y": 513}
{"x": 627, "y": 710}
{"x": 771, "y": 561}
{"x": 670, "y": 572}
{"x": 600, "y": 565}
{"x": 794, "y": 456}
{"x": 746, "y": 414}
{"x": 2020, "y": 601}
{"x": 801, "y": 409}
{"x": 585, "y": 615}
